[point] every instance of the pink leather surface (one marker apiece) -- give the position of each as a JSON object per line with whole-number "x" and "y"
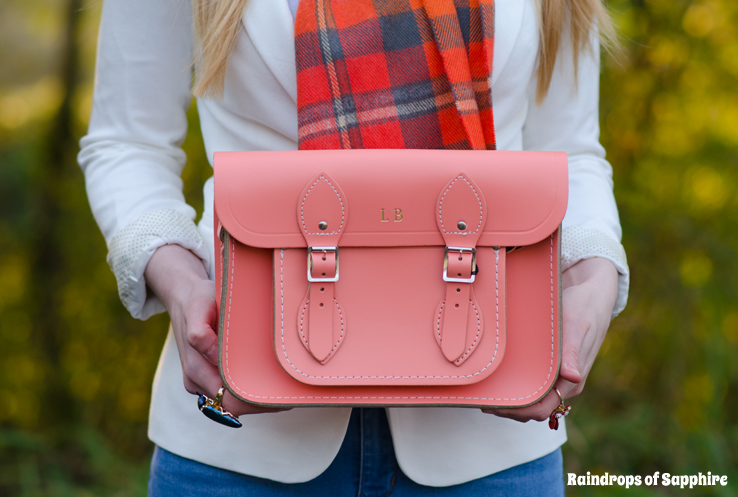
{"x": 387, "y": 310}
{"x": 461, "y": 215}
{"x": 321, "y": 323}
{"x": 461, "y": 200}
{"x": 526, "y": 194}
{"x": 460, "y": 323}
{"x": 389, "y": 333}
{"x": 526, "y": 373}
{"x": 321, "y": 201}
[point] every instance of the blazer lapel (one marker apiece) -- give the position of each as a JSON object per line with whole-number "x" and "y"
{"x": 508, "y": 21}
{"x": 271, "y": 29}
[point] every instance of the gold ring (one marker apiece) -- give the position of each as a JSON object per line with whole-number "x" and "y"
{"x": 219, "y": 397}
{"x": 561, "y": 399}
{"x": 561, "y": 410}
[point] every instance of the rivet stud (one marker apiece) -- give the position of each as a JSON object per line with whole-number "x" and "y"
{"x": 323, "y": 225}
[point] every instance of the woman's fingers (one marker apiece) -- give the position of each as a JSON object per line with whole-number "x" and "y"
{"x": 200, "y": 318}
{"x": 179, "y": 279}
{"x": 200, "y": 354}
{"x": 202, "y": 338}
{"x": 202, "y": 377}
{"x": 540, "y": 411}
{"x": 199, "y": 377}
{"x": 575, "y": 332}
{"x": 590, "y": 290}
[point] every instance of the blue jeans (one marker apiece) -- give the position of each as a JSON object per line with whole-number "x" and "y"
{"x": 364, "y": 467}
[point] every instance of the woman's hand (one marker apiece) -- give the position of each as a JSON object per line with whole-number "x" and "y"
{"x": 179, "y": 279}
{"x": 590, "y": 289}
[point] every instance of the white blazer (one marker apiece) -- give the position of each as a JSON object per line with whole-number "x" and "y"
{"x": 132, "y": 162}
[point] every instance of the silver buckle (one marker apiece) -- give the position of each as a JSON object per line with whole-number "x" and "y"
{"x": 310, "y": 264}
{"x": 460, "y": 250}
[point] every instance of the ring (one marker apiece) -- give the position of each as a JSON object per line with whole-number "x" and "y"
{"x": 558, "y": 413}
{"x": 213, "y": 409}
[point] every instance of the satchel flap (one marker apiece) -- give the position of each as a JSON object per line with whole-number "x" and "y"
{"x": 392, "y": 194}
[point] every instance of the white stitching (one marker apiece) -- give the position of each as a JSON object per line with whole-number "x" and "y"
{"x": 476, "y": 338}
{"x": 468, "y": 351}
{"x": 302, "y": 319}
{"x": 284, "y": 351}
{"x": 553, "y": 328}
{"x": 232, "y": 385}
{"x": 302, "y": 209}
{"x": 232, "y": 262}
{"x": 304, "y": 338}
{"x": 440, "y": 208}
{"x": 497, "y": 309}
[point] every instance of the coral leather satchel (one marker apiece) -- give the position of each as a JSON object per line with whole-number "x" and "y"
{"x": 389, "y": 277}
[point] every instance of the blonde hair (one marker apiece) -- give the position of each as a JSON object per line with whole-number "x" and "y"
{"x": 217, "y": 23}
{"x": 583, "y": 16}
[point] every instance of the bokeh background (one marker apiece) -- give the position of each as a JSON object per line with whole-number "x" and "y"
{"x": 75, "y": 369}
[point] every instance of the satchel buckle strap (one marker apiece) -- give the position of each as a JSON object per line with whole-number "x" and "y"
{"x": 460, "y": 251}
{"x": 327, "y": 276}
{"x": 321, "y": 325}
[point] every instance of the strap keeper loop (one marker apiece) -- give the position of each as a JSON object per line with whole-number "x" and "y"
{"x": 324, "y": 250}
{"x": 459, "y": 250}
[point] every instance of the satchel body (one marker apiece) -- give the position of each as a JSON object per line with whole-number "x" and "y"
{"x": 389, "y": 277}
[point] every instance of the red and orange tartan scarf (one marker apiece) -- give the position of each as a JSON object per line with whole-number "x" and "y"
{"x": 395, "y": 74}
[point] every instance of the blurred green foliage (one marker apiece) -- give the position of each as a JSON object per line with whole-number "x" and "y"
{"x": 75, "y": 369}
{"x": 663, "y": 393}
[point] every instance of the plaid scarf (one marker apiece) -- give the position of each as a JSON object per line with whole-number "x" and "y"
{"x": 395, "y": 74}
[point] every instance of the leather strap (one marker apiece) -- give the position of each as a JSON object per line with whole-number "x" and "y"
{"x": 455, "y": 316}
{"x": 461, "y": 216}
{"x": 322, "y": 212}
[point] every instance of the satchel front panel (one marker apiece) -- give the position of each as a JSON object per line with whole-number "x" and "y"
{"x": 388, "y": 319}
{"x": 252, "y": 369}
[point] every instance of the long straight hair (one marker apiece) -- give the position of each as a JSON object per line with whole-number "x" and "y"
{"x": 217, "y": 23}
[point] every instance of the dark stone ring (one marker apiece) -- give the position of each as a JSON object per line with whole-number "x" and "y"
{"x": 213, "y": 410}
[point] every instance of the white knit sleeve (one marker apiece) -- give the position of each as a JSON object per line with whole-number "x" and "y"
{"x": 579, "y": 243}
{"x": 131, "y": 249}
{"x": 567, "y": 120}
{"x": 131, "y": 156}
